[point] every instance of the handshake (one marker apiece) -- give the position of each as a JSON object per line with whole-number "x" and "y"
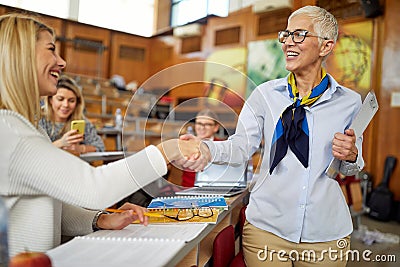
{"x": 187, "y": 152}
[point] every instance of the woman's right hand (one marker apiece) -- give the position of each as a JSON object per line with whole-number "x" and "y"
{"x": 118, "y": 221}
{"x": 68, "y": 139}
{"x": 176, "y": 149}
{"x": 188, "y": 152}
{"x": 201, "y": 160}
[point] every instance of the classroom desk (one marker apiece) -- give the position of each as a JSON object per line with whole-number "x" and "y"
{"x": 112, "y": 131}
{"x": 197, "y": 251}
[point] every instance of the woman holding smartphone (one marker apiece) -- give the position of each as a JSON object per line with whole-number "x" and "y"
{"x": 63, "y": 108}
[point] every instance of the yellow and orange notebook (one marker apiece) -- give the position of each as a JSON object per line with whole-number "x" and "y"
{"x": 174, "y": 215}
{"x": 161, "y": 216}
{"x": 184, "y": 209}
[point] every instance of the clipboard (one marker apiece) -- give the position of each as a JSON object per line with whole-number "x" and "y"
{"x": 368, "y": 110}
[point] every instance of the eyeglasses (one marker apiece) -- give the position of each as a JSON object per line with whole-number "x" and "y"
{"x": 189, "y": 213}
{"x": 204, "y": 125}
{"x": 298, "y": 36}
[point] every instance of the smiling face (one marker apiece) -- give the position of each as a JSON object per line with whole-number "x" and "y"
{"x": 205, "y": 127}
{"x": 49, "y": 64}
{"x": 307, "y": 56}
{"x": 63, "y": 104}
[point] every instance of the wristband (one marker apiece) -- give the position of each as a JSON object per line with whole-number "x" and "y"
{"x": 353, "y": 161}
{"x": 96, "y": 218}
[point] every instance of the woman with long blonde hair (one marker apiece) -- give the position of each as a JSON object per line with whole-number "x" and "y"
{"x": 46, "y": 189}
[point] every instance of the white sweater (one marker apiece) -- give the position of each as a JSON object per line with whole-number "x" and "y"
{"x": 44, "y": 186}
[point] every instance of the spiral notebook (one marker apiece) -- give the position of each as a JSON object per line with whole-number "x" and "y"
{"x": 135, "y": 245}
{"x": 170, "y": 207}
{"x": 185, "y": 202}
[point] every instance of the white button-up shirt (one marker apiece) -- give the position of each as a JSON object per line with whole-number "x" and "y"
{"x": 295, "y": 203}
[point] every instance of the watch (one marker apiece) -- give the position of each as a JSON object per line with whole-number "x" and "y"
{"x": 96, "y": 218}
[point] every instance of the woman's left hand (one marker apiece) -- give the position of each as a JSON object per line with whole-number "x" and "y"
{"x": 118, "y": 221}
{"x": 344, "y": 146}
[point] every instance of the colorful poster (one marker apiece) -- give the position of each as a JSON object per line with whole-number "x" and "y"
{"x": 226, "y": 76}
{"x": 350, "y": 62}
{"x": 266, "y": 62}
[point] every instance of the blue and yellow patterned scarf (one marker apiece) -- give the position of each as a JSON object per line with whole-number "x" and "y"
{"x": 292, "y": 128}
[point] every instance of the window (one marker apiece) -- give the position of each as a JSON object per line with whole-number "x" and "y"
{"x": 47, "y": 7}
{"x": 135, "y": 17}
{"x": 185, "y": 11}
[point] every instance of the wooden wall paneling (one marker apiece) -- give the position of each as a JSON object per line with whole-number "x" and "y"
{"x": 237, "y": 23}
{"x": 186, "y": 50}
{"x": 189, "y": 90}
{"x": 82, "y": 57}
{"x": 10, "y": 9}
{"x": 130, "y": 57}
{"x": 3, "y": 10}
{"x": 231, "y": 35}
{"x": 191, "y": 44}
{"x": 163, "y": 51}
{"x": 300, "y": 3}
{"x": 55, "y": 23}
{"x": 388, "y": 141}
{"x": 272, "y": 22}
{"x": 254, "y": 32}
{"x": 342, "y": 8}
{"x": 371, "y": 133}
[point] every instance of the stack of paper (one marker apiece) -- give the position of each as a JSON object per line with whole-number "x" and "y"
{"x": 136, "y": 245}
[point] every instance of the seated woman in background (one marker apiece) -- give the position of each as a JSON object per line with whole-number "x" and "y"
{"x": 60, "y": 110}
{"x": 206, "y": 126}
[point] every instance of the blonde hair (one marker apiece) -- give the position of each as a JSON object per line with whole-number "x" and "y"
{"x": 65, "y": 82}
{"x": 19, "y": 88}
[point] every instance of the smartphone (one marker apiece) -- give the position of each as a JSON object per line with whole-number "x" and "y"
{"x": 78, "y": 125}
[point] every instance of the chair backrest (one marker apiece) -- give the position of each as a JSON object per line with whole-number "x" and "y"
{"x": 224, "y": 247}
{"x": 238, "y": 260}
{"x": 242, "y": 219}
